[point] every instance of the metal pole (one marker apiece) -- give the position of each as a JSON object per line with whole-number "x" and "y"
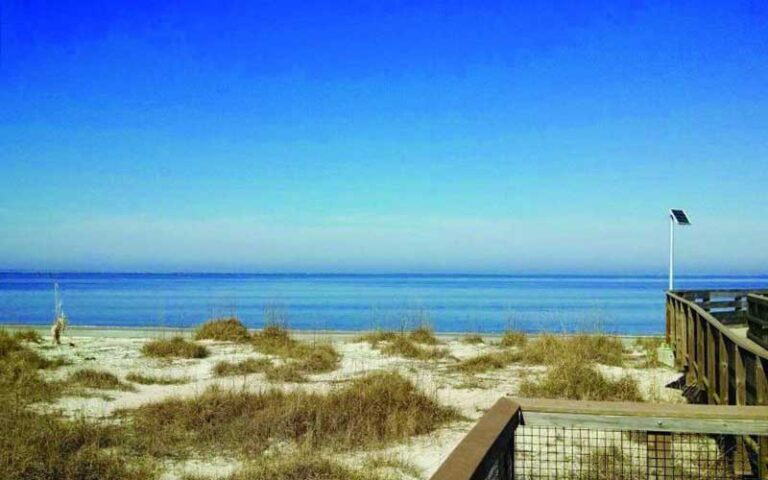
{"x": 671, "y": 252}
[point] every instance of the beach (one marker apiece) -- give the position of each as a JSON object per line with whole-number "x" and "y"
{"x": 119, "y": 352}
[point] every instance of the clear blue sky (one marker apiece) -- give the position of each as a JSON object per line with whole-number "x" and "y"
{"x": 413, "y": 136}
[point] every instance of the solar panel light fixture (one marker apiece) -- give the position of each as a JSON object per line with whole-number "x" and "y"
{"x": 679, "y": 217}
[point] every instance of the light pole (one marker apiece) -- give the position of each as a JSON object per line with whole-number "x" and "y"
{"x": 676, "y": 216}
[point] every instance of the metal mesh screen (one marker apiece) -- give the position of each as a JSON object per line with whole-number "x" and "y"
{"x": 547, "y": 452}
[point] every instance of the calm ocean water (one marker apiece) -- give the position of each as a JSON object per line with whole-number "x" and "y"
{"x": 452, "y": 303}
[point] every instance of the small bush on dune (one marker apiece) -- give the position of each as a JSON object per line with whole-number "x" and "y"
{"x": 549, "y": 349}
{"x": 513, "y": 338}
{"x": 472, "y": 339}
{"x": 286, "y": 372}
{"x": 372, "y": 410}
{"x": 175, "y": 347}
{"x": 580, "y": 381}
{"x": 98, "y": 379}
{"x": 28, "y": 335}
{"x": 20, "y": 379}
{"x": 155, "y": 379}
{"x": 374, "y": 338}
{"x": 223, "y": 329}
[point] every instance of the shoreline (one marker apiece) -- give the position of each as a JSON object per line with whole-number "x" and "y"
{"x": 152, "y": 332}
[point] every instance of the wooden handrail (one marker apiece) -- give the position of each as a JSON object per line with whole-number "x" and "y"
{"x": 488, "y": 447}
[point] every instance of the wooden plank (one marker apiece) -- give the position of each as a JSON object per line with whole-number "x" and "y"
{"x": 741, "y": 378}
{"x": 761, "y": 385}
{"x": 756, "y": 414}
{"x": 651, "y": 423}
{"x": 710, "y": 362}
{"x": 723, "y": 371}
{"x": 474, "y": 456}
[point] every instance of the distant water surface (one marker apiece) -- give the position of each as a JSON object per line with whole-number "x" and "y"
{"x": 451, "y": 303}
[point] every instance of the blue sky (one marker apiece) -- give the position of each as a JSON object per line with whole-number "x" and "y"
{"x": 523, "y": 137}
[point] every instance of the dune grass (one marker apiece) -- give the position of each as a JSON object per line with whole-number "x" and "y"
{"x": 27, "y": 335}
{"x": 98, "y": 379}
{"x": 405, "y": 347}
{"x": 312, "y": 358}
{"x": 373, "y": 410}
{"x": 484, "y": 362}
{"x": 472, "y": 339}
{"x": 244, "y": 367}
{"x": 513, "y": 338}
{"x": 418, "y": 344}
{"x": 649, "y": 347}
{"x": 229, "y": 329}
{"x": 175, "y": 347}
{"x": 301, "y": 466}
{"x": 423, "y": 334}
{"x": 548, "y": 349}
{"x": 144, "y": 379}
{"x": 575, "y": 380}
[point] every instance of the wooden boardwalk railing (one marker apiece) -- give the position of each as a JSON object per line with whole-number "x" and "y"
{"x": 540, "y": 439}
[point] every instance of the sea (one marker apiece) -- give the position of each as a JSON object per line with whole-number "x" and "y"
{"x": 632, "y": 305}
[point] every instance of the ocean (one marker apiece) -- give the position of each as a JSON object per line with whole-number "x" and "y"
{"x": 449, "y": 303}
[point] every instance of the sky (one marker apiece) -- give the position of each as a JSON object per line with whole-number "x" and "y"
{"x": 396, "y": 136}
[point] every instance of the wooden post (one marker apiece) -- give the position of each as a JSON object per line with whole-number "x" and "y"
{"x": 724, "y": 400}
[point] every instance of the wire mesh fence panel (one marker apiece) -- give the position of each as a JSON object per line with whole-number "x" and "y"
{"x": 549, "y": 452}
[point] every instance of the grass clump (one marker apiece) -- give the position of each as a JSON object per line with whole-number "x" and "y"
{"x": 174, "y": 347}
{"x": 245, "y": 367}
{"x": 42, "y": 446}
{"x": 98, "y": 379}
{"x": 424, "y": 335}
{"x": 374, "y": 338}
{"x": 27, "y": 335}
{"x": 549, "y": 349}
{"x": 304, "y": 466}
{"x": 224, "y": 329}
{"x": 472, "y": 339}
{"x": 142, "y": 379}
{"x": 275, "y": 339}
{"x": 574, "y": 380}
{"x": 513, "y": 338}
{"x": 404, "y": 347}
{"x": 372, "y": 410}
{"x": 649, "y": 347}
{"x": 485, "y": 362}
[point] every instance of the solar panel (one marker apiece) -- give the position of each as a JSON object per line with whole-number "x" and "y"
{"x": 680, "y": 217}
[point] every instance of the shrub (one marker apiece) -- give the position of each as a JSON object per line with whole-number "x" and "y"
{"x": 375, "y": 409}
{"x": 513, "y": 338}
{"x": 275, "y": 339}
{"x": 374, "y": 338}
{"x": 575, "y": 380}
{"x": 223, "y": 329}
{"x": 98, "y": 379}
{"x": 155, "y": 380}
{"x": 549, "y": 349}
{"x": 175, "y": 347}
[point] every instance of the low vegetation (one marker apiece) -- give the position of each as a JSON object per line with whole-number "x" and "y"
{"x": 223, "y": 329}
{"x": 275, "y": 340}
{"x": 418, "y": 344}
{"x": 143, "y": 379}
{"x": 175, "y": 347}
{"x": 485, "y": 362}
{"x": 302, "y": 466}
{"x": 285, "y": 372}
{"x": 27, "y": 335}
{"x": 576, "y": 380}
{"x": 513, "y": 338}
{"x": 423, "y": 334}
{"x": 472, "y": 339}
{"x": 376, "y": 409}
{"x": 97, "y": 379}
{"x": 548, "y": 349}
{"x": 649, "y": 346}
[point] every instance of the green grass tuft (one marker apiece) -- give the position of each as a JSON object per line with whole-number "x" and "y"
{"x": 513, "y": 338}
{"x": 27, "y": 335}
{"x": 581, "y": 381}
{"x": 143, "y": 379}
{"x": 175, "y": 347}
{"x": 472, "y": 339}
